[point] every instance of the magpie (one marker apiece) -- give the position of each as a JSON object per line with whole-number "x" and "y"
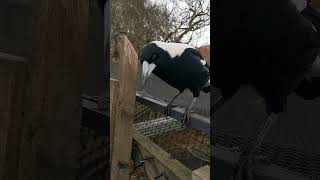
{"x": 268, "y": 45}
{"x": 179, "y": 65}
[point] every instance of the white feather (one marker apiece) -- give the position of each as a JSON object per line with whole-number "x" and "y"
{"x": 203, "y": 62}
{"x": 173, "y": 49}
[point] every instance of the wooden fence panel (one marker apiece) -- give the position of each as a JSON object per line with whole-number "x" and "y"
{"x": 12, "y": 80}
{"x": 51, "y": 136}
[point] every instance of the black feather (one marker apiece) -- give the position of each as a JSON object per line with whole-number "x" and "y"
{"x": 185, "y": 71}
{"x": 266, "y": 44}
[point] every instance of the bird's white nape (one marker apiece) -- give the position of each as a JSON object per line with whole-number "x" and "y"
{"x": 173, "y": 49}
{"x": 203, "y": 62}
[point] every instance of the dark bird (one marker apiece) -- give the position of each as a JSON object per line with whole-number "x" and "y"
{"x": 268, "y": 45}
{"x": 180, "y": 65}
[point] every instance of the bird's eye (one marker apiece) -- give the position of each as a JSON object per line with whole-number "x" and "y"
{"x": 154, "y": 57}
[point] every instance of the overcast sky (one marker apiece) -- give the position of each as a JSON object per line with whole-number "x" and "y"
{"x": 204, "y": 39}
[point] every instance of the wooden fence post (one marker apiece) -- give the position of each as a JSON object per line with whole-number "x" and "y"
{"x": 202, "y": 173}
{"x": 123, "y": 108}
{"x": 114, "y": 91}
{"x": 51, "y": 135}
{"x": 12, "y": 80}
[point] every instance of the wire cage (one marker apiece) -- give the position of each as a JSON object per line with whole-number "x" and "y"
{"x": 289, "y": 146}
{"x": 187, "y": 145}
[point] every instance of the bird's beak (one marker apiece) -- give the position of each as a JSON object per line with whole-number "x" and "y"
{"x": 146, "y": 71}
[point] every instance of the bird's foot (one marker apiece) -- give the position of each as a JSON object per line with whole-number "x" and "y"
{"x": 186, "y": 119}
{"x": 167, "y": 110}
{"x": 144, "y": 93}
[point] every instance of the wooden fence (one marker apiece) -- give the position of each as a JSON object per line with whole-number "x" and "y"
{"x": 40, "y": 98}
{"x": 13, "y": 72}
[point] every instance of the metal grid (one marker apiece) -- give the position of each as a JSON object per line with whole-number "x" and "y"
{"x": 151, "y": 122}
{"x": 297, "y": 161}
{"x": 157, "y": 107}
{"x": 182, "y": 143}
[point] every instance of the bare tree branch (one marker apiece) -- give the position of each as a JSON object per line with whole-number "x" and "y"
{"x": 172, "y": 21}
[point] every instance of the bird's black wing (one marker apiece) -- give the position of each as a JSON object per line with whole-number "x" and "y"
{"x": 312, "y": 15}
{"x": 309, "y": 90}
{"x": 197, "y": 53}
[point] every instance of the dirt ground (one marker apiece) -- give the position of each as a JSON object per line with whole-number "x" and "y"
{"x": 176, "y": 143}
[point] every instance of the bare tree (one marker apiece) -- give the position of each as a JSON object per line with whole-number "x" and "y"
{"x": 172, "y": 21}
{"x": 188, "y": 18}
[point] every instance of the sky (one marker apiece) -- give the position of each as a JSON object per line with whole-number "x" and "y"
{"x": 204, "y": 39}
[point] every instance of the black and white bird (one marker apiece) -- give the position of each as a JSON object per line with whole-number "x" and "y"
{"x": 268, "y": 45}
{"x": 180, "y": 65}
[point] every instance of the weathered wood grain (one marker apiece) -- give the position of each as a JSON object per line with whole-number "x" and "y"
{"x": 124, "y": 106}
{"x": 202, "y": 173}
{"x": 12, "y": 80}
{"x": 51, "y": 135}
{"x": 165, "y": 164}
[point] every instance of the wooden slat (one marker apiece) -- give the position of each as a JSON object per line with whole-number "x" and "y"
{"x": 173, "y": 169}
{"x": 114, "y": 91}
{"x": 51, "y": 135}
{"x": 124, "y": 106}
{"x": 202, "y": 173}
{"x": 12, "y": 80}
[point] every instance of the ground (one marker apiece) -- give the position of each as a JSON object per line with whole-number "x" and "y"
{"x": 176, "y": 143}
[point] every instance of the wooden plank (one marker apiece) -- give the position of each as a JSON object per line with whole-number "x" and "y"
{"x": 114, "y": 91}
{"x": 202, "y": 173}
{"x": 124, "y": 106}
{"x": 12, "y": 80}
{"x": 165, "y": 164}
{"x": 51, "y": 135}
{"x": 15, "y": 23}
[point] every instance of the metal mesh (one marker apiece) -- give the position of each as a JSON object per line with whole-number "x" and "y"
{"x": 150, "y": 122}
{"x": 298, "y": 161}
{"x": 182, "y": 143}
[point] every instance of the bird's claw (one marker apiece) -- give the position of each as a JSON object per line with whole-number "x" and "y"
{"x": 143, "y": 93}
{"x": 167, "y": 111}
{"x": 186, "y": 120}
